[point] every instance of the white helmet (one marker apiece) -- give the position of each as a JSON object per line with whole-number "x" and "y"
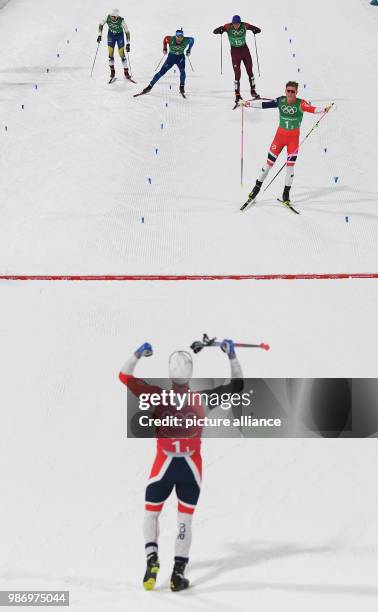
{"x": 180, "y": 367}
{"x": 114, "y": 13}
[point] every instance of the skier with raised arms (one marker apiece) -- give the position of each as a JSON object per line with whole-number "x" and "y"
{"x": 176, "y": 57}
{"x": 178, "y": 462}
{"x": 237, "y": 35}
{"x": 117, "y": 29}
{"x": 291, "y": 110}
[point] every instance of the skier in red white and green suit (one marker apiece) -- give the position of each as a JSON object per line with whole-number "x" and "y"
{"x": 291, "y": 110}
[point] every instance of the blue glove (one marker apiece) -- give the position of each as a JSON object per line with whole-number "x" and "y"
{"x": 228, "y": 347}
{"x": 145, "y": 350}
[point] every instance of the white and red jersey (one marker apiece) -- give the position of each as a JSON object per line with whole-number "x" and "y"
{"x": 175, "y": 440}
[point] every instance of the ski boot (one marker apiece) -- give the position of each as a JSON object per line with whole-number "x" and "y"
{"x": 255, "y": 191}
{"x": 147, "y": 89}
{"x": 252, "y": 85}
{"x": 182, "y": 91}
{"x": 286, "y": 196}
{"x": 152, "y": 570}
{"x": 238, "y": 99}
{"x": 253, "y": 195}
{"x": 112, "y": 74}
{"x": 127, "y": 73}
{"x": 286, "y": 200}
{"x": 178, "y": 580}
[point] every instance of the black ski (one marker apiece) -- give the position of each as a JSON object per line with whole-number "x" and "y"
{"x": 287, "y": 204}
{"x": 141, "y": 93}
{"x": 130, "y": 79}
{"x": 112, "y": 80}
{"x": 183, "y": 95}
{"x": 247, "y": 204}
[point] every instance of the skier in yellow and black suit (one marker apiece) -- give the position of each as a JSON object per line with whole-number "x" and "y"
{"x": 116, "y": 29}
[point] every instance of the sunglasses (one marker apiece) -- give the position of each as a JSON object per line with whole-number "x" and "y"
{"x": 291, "y": 91}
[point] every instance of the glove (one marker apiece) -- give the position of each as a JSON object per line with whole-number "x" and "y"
{"x": 99, "y": 38}
{"x": 145, "y": 350}
{"x": 128, "y": 47}
{"x": 228, "y": 347}
{"x": 188, "y": 52}
{"x": 165, "y": 51}
{"x": 328, "y": 108}
{"x": 256, "y": 30}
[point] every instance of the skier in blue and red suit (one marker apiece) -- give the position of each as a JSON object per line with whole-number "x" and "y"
{"x": 178, "y": 462}
{"x": 176, "y": 57}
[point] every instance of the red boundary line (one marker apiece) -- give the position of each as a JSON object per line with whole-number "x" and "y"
{"x": 181, "y": 277}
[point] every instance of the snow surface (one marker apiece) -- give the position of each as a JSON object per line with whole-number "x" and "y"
{"x": 286, "y": 525}
{"x": 75, "y": 162}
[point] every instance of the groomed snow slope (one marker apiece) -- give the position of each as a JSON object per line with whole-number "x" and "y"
{"x": 75, "y": 162}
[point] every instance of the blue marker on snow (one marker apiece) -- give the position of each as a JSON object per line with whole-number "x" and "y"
{"x": 293, "y": 54}
{"x": 290, "y": 40}
{"x": 35, "y": 86}
{"x": 325, "y": 150}
{"x": 47, "y": 69}
{"x": 150, "y": 180}
{"x": 57, "y": 55}
{"x": 285, "y": 28}
{"x": 347, "y": 219}
{"x": 156, "y": 151}
{"x": 22, "y": 106}
{"x": 162, "y": 126}
{"x": 336, "y": 179}
{"x": 142, "y": 219}
{"x": 299, "y": 69}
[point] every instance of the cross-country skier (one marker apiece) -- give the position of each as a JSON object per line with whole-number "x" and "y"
{"x": 116, "y": 29}
{"x": 178, "y": 461}
{"x": 176, "y": 57}
{"x": 291, "y": 111}
{"x": 237, "y": 35}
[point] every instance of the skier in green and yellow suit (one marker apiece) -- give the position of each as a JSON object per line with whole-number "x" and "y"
{"x": 116, "y": 29}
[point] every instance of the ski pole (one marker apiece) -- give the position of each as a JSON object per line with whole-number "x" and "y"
{"x": 190, "y": 63}
{"x": 242, "y": 148}
{"x": 221, "y": 53}
{"x": 158, "y": 66}
{"x": 257, "y": 55}
{"x": 94, "y": 61}
{"x": 300, "y": 144}
{"x": 197, "y": 345}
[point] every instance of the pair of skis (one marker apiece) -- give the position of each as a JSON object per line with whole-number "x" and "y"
{"x": 113, "y": 79}
{"x": 285, "y": 203}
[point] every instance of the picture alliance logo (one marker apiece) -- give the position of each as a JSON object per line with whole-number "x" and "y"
{"x": 290, "y": 110}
